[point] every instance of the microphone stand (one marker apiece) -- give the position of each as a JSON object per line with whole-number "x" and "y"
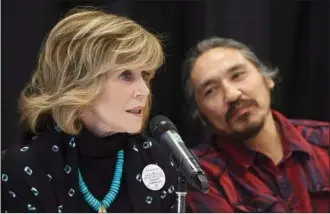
{"x": 181, "y": 194}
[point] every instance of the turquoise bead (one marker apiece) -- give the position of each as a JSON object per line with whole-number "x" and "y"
{"x": 106, "y": 204}
{"x": 89, "y": 198}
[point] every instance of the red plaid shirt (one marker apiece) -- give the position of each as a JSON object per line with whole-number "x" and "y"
{"x": 242, "y": 180}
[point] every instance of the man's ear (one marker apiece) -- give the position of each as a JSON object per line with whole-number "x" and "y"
{"x": 269, "y": 82}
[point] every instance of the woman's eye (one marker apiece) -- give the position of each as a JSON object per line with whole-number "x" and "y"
{"x": 146, "y": 75}
{"x": 126, "y": 75}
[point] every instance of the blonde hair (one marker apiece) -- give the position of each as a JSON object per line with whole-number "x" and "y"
{"x": 74, "y": 63}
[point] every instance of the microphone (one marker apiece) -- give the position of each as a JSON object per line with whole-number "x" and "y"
{"x": 165, "y": 132}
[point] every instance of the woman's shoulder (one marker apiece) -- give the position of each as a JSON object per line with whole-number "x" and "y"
{"x": 151, "y": 149}
{"x": 27, "y": 171}
{"x": 31, "y": 148}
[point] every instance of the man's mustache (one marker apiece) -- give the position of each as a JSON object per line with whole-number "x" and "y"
{"x": 237, "y": 105}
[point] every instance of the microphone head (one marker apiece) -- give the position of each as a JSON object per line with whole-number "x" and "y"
{"x": 159, "y": 125}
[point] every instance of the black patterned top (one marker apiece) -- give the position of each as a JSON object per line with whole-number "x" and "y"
{"x": 39, "y": 174}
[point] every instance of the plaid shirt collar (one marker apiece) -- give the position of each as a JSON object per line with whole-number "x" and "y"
{"x": 293, "y": 143}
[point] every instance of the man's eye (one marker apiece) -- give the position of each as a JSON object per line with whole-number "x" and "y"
{"x": 237, "y": 75}
{"x": 208, "y": 92}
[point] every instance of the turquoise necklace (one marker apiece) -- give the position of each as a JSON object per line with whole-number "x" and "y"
{"x": 102, "y": 206}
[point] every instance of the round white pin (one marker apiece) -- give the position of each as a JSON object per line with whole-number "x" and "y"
{"x": 153, "y": 177}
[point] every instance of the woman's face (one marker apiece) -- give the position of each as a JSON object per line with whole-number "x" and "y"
{"x": 121, "y": 104}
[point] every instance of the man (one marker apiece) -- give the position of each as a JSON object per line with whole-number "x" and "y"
{"x": 256, "y": 159}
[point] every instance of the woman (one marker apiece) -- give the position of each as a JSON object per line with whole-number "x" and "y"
{"x": 85, "y": 107}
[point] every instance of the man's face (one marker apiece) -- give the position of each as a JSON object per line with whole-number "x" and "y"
{"x": 230, "y": 92}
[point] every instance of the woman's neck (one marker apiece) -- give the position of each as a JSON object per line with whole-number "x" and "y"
{"x": 95, "y": 126}
{"x": 105, "y": 134}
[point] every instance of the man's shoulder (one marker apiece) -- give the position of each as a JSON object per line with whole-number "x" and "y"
{"x": 309, "y": 123}
{"x": 211, "y": 160}
{"x": 315, "y": 132}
